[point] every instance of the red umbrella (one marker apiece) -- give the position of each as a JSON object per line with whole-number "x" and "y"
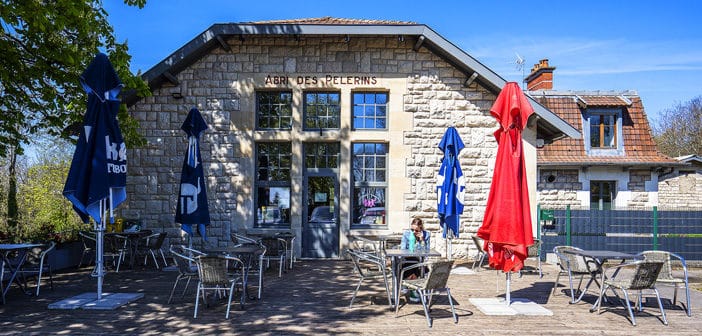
{"x": 506, "y": 227}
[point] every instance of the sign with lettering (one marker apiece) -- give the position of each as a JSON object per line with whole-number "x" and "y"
{"x": 320, "y": 79}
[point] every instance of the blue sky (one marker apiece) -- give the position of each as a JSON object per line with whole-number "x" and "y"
{"x": 653, "y": 47}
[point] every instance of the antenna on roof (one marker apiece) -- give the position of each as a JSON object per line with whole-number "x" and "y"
{"x": 519, "y": 65}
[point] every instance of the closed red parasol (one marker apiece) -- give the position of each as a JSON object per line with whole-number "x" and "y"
{"x": 506, "y": 227}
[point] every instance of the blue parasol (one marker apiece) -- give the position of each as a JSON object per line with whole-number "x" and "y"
{"x": 450, "y": 186}
{"x": 192, "y": 208}
{"x": 97, "y": 179}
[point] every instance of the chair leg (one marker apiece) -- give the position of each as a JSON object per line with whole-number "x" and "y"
{"x": 231, "y": 293}
{"x": 387, "y": 289}
{"x": 197, "y": 298}
{"x": 628, "y": 307}
{"x": 425, "y": 305}
{"x": 687, "y": 293}
{"x": 453, "y": 310}
{"x": 170, "y": 297}
{"x": 353, "y": 297}
{"x": 660, "y": 305}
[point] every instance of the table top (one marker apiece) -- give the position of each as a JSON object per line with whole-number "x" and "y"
{"x": 408, "y": 253}
{"x": 603, "y": 254}
{"x": 247, "y": 248}
{"x": 10, "y": 247}
{"x": 279, "y": 234}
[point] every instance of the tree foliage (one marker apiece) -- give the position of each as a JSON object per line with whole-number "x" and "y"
{"x": 44, "y": 212}
{"x": 45, "y": 46}
{"x": 679, "y": 130}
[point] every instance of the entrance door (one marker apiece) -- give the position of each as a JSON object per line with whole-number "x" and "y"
{"x": 320, "y": 230}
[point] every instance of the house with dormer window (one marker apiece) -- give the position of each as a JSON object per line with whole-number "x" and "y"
{"x": 614, "y": 165}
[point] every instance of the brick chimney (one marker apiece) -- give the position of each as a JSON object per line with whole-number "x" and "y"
{"x": 541, "y": 76}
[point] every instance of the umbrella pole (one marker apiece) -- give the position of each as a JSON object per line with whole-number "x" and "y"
{"x": 508, "y": 299}
{"x": 99, "y": 271}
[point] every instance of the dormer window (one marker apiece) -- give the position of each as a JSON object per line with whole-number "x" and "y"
{"x": 603, "y": 130}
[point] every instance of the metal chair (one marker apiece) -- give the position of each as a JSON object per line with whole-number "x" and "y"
{"x": 153, "y": 245}
{"x": 636, "y": 276}
{"x": 369, "y": 265}
{"x": 573, "y": 265}
{"x": 480, "y": 257}
{"x": 666, "y": 275}
{"x": 434, "y": 282}
{"x": 89, "y": 245}
{"x": 239, "y": 239}
{"x": 534, "y": 251}
{"x": 185, "y": 260}
{"x": 36, "y": 264}
{"x": 276, "y": 248}
{"x": 213, "y": 275}
{"x": 115, "y": 247}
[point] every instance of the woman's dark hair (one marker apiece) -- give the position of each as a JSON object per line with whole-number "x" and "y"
{"x": 417, "y": 221}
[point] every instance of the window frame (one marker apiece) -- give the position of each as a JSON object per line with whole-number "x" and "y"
{"x": 306, "y": 105}
{"x": 357, "y": 209}
{"x": 258, "y": 110}
{"x": 375, "y": 117}
{"x": 614, "y": 114}
{"x": 601, "y": 202}
{"x": 270, "y": 183}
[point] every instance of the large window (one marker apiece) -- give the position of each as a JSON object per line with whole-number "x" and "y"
{"x": 274, "y": 110}
{"x": 602, "y": 194}
{"x": 369, "y": 169}
{"x": 370, "y": 110}
{"x": 322, "y": 110}
{"x": 322, "y": 155}
{"x": 603, "y": 129}
{"x": 274, "y": 163}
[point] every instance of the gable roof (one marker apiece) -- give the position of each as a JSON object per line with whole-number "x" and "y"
{"x": 639, "y": 147}
{"x": 549, "y": 125}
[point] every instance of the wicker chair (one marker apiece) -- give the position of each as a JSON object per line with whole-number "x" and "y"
{"x": 213, "y": 274}
{"x": 366, "y": 245}
{"x": 573, "y": 265}
{"x": 533, "y": 251}
{"x": 636, "y": 276}
{"x": 115, "y": 247}
{"x": 434, "y": 281}
{"x": 368, "y": 265}
{"x": 185, "y": 260}
{"x": 480, "y": 257}
{"x": 666, "y": 275}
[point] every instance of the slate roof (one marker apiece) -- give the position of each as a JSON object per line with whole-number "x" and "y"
{"x": 639, "y": 147}
{"x": 549, "y": 125}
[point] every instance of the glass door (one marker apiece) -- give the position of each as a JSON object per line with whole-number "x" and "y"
{"x": 320, "y": 230}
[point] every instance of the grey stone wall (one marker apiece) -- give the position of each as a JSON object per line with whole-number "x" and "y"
{"x": 681, "y": 190}
{"x": 222, "y": 85}
{"x": 557, "y": 188}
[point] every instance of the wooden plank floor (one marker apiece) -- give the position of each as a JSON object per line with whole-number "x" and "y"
{"x": 313, "y": 299}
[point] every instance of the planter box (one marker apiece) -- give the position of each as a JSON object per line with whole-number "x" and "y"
{"x": 65, "y": 255}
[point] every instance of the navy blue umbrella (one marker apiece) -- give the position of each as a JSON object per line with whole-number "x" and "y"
{"x": 192, "y": 208}
{"x": 450, "y": 186}
{"x": 97, "y": 179}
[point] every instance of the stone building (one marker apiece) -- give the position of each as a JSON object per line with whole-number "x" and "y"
{"x": 615, "y": 165}
{"x": 324, "y": 127}
{"x": 681, "y": 187}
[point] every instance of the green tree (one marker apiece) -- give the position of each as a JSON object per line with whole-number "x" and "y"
{"x": 45, "y": 46}
{"x": 44, "y": 211}
{"x": 679, "y": 129}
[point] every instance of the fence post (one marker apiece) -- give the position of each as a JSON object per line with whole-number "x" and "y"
{"x": 538, "y": 221}
{"x": 568, "y": 240}
{"x": 655, "y": 228}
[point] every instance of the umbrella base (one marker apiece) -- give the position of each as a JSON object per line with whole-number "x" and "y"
{"x": 498, "y": 306}
{"x": 109, "y": 301}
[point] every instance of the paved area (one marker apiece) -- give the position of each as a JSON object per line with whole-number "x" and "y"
{"x": 313, "y": 299}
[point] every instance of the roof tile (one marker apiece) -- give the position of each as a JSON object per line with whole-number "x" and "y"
{"x": 639, "y": 147}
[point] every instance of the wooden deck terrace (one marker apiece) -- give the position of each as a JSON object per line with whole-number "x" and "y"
{"x": 313, "y": 299}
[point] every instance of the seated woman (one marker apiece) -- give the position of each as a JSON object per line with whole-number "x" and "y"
{"x": 421, "y": 238}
